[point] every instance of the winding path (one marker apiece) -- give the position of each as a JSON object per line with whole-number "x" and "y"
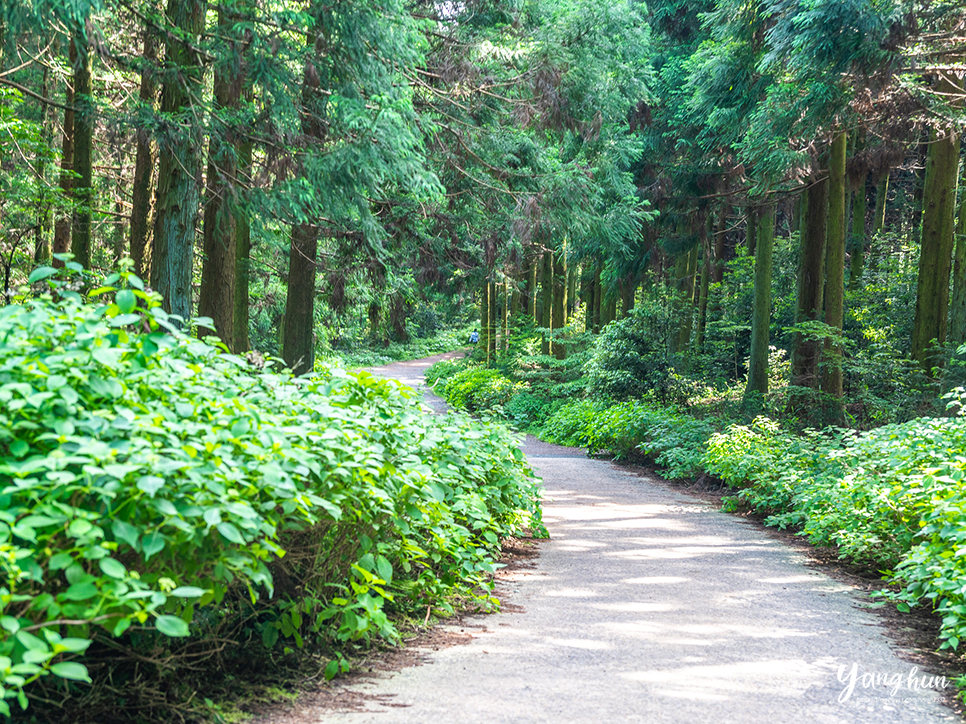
{"x": 647, "y": 605}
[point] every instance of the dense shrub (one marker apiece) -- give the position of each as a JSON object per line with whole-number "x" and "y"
{"x": 477, "y": 388}
{"x": 889, "y": 498}
{"x": 155, "y": 488}
{"x": 636, "y": 428}
{"x": 630, "y": 357}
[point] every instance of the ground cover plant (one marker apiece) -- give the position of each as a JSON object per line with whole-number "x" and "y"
{"x": 164, "y": 501}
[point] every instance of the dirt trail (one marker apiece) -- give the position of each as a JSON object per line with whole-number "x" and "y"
{"x": 648, "y": 605}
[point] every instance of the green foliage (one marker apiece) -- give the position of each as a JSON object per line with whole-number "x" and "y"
{"x": 631, "y": 356}
{"x": 154, "y": 484}
{"x": 478, "y": 388}
{"x": 890, "y": 498}
{"x": 674, "y": 441}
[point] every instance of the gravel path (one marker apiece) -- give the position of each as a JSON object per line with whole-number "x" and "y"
{"x": 647, "y": 605}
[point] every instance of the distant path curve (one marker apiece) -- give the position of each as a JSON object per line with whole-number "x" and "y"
{"x": 648, "y": 605}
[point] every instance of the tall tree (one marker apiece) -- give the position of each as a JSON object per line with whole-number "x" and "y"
{"x": 218, "y": 272}
{"x": 761, "y": 314}
{"x": 144, "y": 158}
{"x": 835, "y": 264}
{"x": 938, "y": 231}
{"x": 84, "y": 115}
{"x": 180, "y": 148}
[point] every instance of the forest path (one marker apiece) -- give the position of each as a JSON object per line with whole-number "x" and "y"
{"x": 647, "y": 605}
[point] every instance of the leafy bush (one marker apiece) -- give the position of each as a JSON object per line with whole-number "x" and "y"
{"x": 630, "y": 357}
{"x": 889, "y": 498}
{"x": 674, "y": 441}
{"x": 477, "y": 388}
{"x": 156, "y": 488}
{"x": 526, "y": 410}
{"x": 444, "y": 369}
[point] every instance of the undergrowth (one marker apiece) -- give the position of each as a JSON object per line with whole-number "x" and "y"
{"x": 174, "y": 518}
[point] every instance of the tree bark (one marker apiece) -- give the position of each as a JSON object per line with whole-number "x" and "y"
{"x": 144, "y": 161}
{"x": 835, "y": 265}
{"x": 491, "y": 317}
{"x": 938, "y": 237}
{"x": 935, "y": 261}
{"x": 62, "y": 225}
{"x": 689, "y": 287}
{"x": 719, "y": 245}
{"x": 219, "y": 267}
{"x": 42, "y": 240}
{"x": 179, "y": 173}
{"x": 957, "y": 305}
{"x": 628, "y": 292}
{"x": 546, "y": 320}
{"x": 243, "y": 253}
{"x": 857, "y": 262}
{"x": 83, "y": 155}
{"x": 761, "y": 312}
{"x": 559, "y": 318}
{"x": 881, "y": 195}
{"x": 706, "y": 268}
{"x": 811, "y": 282}
{"x": 298, "y": 334}
{"x": 751, "y": 229}
{"x": 485, "y": 319}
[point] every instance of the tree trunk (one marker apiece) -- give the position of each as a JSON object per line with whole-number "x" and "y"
{"x": 144, "y": 161}
{"x": 761, "y": 313}
{"x": 491, "y": 317}
{"x": 628, "y": 292}
{"x": 243, "y": 253}
{"x": 719, "y": 245}
{"x": 835, "y": 266}
{"x": 63, "y": 223}
{"x": 811, "y": 282}
{"x": 938, "y": 218}
{"x": 179, "y": 173}
{"x": 957, "y": 305}
{"x": 83, "y": 156}
{"x": 559, "y": 318}
{"x": 688, "y": 307}
{"x": 218, "y": 272}
{"x": 298, "y": 334}
{"x": 42, "y": 240}
{"x": 485, "y": 318}
{"x": 881, "y": 195}
{"x": 857, "y": 262}
{"x": 546, "y": 320}
{"x": 751, "y": 229}
{"x": 706, "y": 268}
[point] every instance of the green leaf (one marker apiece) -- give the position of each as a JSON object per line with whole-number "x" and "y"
{"x": 31, "y": 642}
{"x": 41, "y": 272}
{"x": 187, "y": 592}
{"x": 70, "y": 670}
{"x": 152, "y": 543}
{"x": 172, "y": 626}
{"x": 126, "y": 532}
{"x": 231, "y": 533}
{"x": 150, "y": 484}
{"x": 112, "y": 568}
{"x": 126, "y": 301}
{"x": 73, "y": 645}
{"x": 81, "y": 592}
{"x": 10, "y": 624}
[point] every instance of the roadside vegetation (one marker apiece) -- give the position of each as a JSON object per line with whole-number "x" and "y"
{"x": 176, "y": 521}
{"x": 885, "y": 489}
